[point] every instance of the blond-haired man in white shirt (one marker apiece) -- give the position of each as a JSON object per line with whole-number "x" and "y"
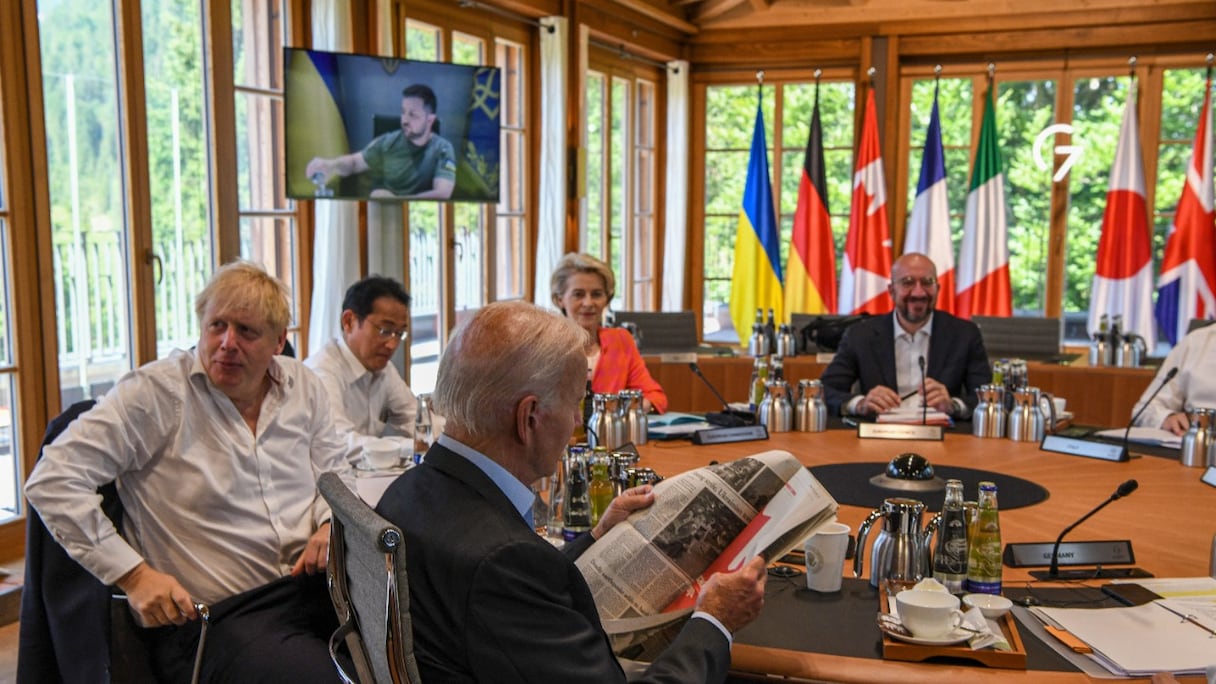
{"x": 216, "y": 452}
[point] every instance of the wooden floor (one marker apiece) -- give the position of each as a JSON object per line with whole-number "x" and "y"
{"x": 8, "y": 653}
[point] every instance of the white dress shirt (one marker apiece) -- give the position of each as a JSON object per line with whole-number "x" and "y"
{"x": 909, "y": 348}
{"x": 1193, "y": 387}
{"x": 220, "y": 508}
{"x": 364, "y": 403}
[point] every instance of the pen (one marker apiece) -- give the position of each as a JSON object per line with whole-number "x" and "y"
{"x": 909, "y": 395}
{"x": 1186, "y": 617}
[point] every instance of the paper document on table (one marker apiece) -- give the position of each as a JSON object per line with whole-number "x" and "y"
{"x": 1144, "y": 435}
{"x": 913, "y": 415}
{"x": 1138, "y": 640}
{"x": 1200, "y": 588}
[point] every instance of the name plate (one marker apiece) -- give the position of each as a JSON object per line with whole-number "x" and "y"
{"x": 1084, "y": 447}
{"x": 1037, "y": 554}
{"x": 899, "y": 431}
{"x": 724, "y": 435}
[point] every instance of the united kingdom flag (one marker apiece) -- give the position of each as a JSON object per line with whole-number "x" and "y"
{"x": 1187, "y": 286}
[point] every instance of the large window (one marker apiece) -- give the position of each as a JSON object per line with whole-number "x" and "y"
{"x": 619, "y": 222}
{"x": 730, "y": 112}
{"x": 268, "y": 223}
{"x": 10, "y": 455}
{"x": 463, "y": 254}
{"x": 90, "y": 225}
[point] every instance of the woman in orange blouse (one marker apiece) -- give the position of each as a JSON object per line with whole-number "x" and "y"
{"x": 581, "y": 287}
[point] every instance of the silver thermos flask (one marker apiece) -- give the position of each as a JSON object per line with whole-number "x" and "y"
{"x": 810, "y": 410}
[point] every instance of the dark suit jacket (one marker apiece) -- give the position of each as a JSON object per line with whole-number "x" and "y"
{"x": 493, "y": 601}
{"x": 866, "y": 356}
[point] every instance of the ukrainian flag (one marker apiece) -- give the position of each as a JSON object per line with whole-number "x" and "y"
{"x": 756, "y": 276}
{"x": 314, "y": 123}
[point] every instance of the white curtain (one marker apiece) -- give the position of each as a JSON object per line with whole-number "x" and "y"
{"x": 675, "y": 220}
{"x": 335, "y": 250}
{"x": 554, "y": 65}
{"x": 385, "y": 236}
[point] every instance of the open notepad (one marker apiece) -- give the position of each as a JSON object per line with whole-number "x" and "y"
{"x": 1167, "y": 635}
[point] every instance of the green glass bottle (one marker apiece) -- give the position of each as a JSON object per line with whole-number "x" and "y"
{"x": 984, "y": 557}
{"x": 600, "y": 490}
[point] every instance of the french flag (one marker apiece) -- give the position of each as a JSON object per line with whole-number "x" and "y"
{"x": 1187, "y": 286}
{"x": 929, "y": 225}
{"x": 1123, "y": 276}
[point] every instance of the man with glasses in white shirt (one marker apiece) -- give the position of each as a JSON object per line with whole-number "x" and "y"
{"x": 882, "y": 361}
{"x": 367, "y": 396}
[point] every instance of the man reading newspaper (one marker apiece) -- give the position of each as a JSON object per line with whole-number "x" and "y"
{"x": 650, "y": 571}
{"x": 490, "y": 599}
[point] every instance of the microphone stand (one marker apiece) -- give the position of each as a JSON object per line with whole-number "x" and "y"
{"x": 924, "y": 406}
{"x": 1169, "y": 375}
{"x": 1124, "y": 489}
{"x": 729, "y": 417}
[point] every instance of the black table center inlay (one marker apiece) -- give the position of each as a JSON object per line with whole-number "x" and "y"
{"x": 855, "y": 484}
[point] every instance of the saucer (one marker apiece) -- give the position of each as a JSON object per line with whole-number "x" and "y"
{"x": 958, "y": 636}
{"x": 364, "y": 470}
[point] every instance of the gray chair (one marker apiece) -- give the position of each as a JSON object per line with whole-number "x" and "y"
{"x": 369, "y": 589}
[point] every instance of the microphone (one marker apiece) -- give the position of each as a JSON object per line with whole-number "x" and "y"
{"x": 729, "y": 417}
{"x": 1123, "y": 490}
{"x": 1169, "y": 375}
{"x": 924, "y": 406}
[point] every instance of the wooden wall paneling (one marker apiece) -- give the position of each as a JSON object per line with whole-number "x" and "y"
{"x": 1053, "y": 303}
{"x": 27, "y": 204}
{"x": 132, "y": 106}
{"x": 221, "y": 125}
{"x": 695, "y": 272}
{"x": 1145, "y": 39}
{"x": 727, "y": 49}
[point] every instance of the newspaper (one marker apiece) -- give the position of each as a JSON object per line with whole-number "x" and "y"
{"x": 647, "y": 572}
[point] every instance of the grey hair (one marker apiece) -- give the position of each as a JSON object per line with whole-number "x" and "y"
{"x": 579, "y": 263}
{"x": 506, "y": 351}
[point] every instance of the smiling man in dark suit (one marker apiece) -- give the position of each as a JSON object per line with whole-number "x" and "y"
{"x": 491, "y": 600}
{"x": 878, "y": 362}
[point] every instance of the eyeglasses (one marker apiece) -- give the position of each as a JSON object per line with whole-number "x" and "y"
{"x": 386, "y": 333}
{"x": 927, "y": 282}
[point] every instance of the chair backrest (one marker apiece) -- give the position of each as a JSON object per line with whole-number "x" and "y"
{"x": 1197, "y": 323}
{"x": 369, "y": 589}
{"x": 662, "y": 331}
{"x": 1028, "y": 337}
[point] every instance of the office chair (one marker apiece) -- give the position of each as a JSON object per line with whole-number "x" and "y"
{"x": 369, "y": 590}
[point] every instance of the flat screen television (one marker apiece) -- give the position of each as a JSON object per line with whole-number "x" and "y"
{"x": 364, "y": 127}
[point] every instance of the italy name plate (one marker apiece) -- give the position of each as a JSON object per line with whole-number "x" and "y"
{"x": 899, "y": 431}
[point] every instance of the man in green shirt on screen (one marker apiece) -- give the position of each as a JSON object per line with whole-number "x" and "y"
{"x": 411, "y": 163}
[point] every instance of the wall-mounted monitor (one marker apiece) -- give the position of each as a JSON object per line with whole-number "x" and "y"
{"x": 363, "y": 127}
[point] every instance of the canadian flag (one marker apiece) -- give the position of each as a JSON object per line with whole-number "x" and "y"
{"x": 867, "y": 250}
{"x": 1123, "y": 276}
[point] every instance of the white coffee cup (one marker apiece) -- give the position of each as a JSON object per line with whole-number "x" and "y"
{"x": 825, "y": 551}
{"x": 1060, "y": 403}
{"x": 928, "y": 614}
{"x": 381, "y": 453}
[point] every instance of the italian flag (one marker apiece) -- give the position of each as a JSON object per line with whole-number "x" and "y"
{"x": 983, "y": 269}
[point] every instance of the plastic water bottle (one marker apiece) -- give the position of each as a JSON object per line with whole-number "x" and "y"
{"x": 423, "y": 431}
